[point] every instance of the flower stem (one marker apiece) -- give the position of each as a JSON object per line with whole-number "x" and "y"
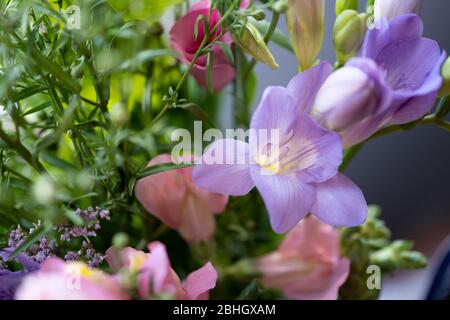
{"x": 22, "y": 151}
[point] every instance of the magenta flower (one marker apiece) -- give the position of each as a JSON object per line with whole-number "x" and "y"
{"x": 155, "y": 275}
{"x": 307, "y": 265}
{"x": 297, "y": 173}
{"x": 394, "y": 80}
{"x": 173, "y": 198}
{"x": 183, "y": 41}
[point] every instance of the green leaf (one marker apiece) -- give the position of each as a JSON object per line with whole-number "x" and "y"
{"x": 141, "y": 58}
{"x": 148, "y": 171}
{"x": 28, "y": 92}
{"x": 227, "y": 51}
{"x": 37, "y": 108}
{"x": 251, "y": 292}
{"x": 32, "y": 238}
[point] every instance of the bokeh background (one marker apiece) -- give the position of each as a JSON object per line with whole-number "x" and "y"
{"x": 407, "y": 174}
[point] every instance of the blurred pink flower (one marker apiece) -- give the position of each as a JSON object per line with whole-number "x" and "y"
{"x": 307, "y": 265}
{"x": 156, "y": 276}
{"x": 183, "y": 41}
{"x": 59, "y": 280}
{"x": 173, "y": 198}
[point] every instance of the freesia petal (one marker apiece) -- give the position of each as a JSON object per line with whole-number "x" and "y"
{"x": 318, "y": 151}
{"x": 400, "y": 59}
{"x": 275, "y": 111}
{"x": 156, "y": 274}
{"x": 162, "y": 194}
{"x": 287, "y": 199}
{"x": 413, "y": 105}
{"x": 303, "y": 87}
{"x": 401, "y": 28}
{"x": 224, "y": 168}
{"x": 313, "y": 239}
{"x": 340, "y": 202}
{"x": 199, "y": 282}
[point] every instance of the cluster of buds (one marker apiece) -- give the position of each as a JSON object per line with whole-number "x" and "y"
{"x": 370, "y": 244}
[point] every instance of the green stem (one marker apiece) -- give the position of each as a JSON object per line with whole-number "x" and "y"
{"x": 432, "y": 119}
{"x": 22, "y": 151}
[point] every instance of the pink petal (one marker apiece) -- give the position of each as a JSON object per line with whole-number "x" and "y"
{"x": 199, "y": 282}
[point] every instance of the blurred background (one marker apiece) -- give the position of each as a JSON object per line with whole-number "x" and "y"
{"x": 407, "y": 174}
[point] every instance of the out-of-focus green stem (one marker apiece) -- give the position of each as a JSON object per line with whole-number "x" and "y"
{"x": 22, "y": 151}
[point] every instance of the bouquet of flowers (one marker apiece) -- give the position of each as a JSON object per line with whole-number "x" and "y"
{"x": 134, "y": 166}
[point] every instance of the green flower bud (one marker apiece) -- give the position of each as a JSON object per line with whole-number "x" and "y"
{"x": 445, "y": 72}
{"x": 349, "y": 31}
{"x": 279, "y": 6}
{"x": 342, "y": 5}
{"x": 250, "y": 40}
{"x": 398, "y": 255}
{"x": 258, "y": 15}
{"x": 305, "y": 20}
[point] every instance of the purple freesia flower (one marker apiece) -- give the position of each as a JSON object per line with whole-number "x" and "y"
{"x": 298, "y": 173}
{"x": 9, "y": 280}
{"x": 394, "y": 80}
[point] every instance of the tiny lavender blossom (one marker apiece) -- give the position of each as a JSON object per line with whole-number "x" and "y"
{"x": 298, "y": 178}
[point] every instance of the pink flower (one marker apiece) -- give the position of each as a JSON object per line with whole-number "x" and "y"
{"x": 59, "y": 280}
{"x": 307, "y": 265}
{"x": 155, "y": 275}
{"x": 182, "y": 40}
{"x": 173, "y": 198}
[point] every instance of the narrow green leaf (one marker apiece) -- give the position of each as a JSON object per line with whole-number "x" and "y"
{"x": 148, "y": 171}
{"x": 28, "y": 92}
{"x": 37, "y": 108}
{"x": 227, "y": 51}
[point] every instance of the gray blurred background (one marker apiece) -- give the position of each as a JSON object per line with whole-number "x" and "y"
{"x": 407, "y": 174}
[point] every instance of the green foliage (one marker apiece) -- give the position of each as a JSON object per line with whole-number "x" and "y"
{"x": 371, "y": 244}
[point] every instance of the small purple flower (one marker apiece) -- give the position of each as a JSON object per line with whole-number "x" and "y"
{"x": 394, "y": 80}
{"x": 300, "y": 175}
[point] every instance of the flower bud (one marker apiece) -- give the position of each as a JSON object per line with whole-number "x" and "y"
{"x": 251, "y": 41}
{"x": 392, "y": 8}
{"x": 445, "y": 72}
{"x": 258, "y": 15}
{"x": 342, "y": 5}
{"x": 398, "y": 255}
{"x": 349, "y": 31}
{"x": 345, "y": 98}
{"x": 305, "y": 20}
